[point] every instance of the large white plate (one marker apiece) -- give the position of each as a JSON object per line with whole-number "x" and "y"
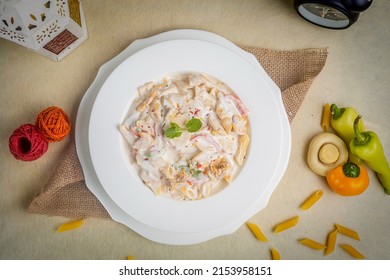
{"x": 95, "y": 186}
{"x": 111, "y": 163}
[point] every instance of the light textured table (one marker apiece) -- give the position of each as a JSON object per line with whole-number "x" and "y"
{"x": 356, "y": 74}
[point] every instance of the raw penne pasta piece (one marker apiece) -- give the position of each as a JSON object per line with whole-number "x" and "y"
{"x": 352, "y": 251}
{"x": 257, "y": 232}
{"x": 309, "y": 202}
{"x": 326, "y": 114}
{"x": 130, "y": 258}
{"x": 287, "y": 224}
{"x": 331, "y": 242}
{"x": 275, "y": 254}
{"x": 243, "y": 143}
{"x": 347, "y": 232}
{"x": 70, "y": 225}
{"x": 312, "y": 244}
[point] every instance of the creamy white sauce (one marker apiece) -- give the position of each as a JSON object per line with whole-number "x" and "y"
{"x": 195, "y": 164}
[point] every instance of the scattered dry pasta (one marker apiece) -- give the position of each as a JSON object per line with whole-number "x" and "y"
{"x": 352, "y": 251}
{"x": 257, "y": 232}
{"x": 70, "y": 225}
{"x": 347, "y": 232}
{"x": 331, "y": 242}
{"x": 309, "y": 202}
{"x": 312, "y": 244}
{"x": 326, "y": 114}
{"x": 275, "y": 254}
{"x": 286, "y": 224}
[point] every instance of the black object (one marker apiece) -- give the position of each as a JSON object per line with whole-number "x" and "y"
{"x": 333, "y": 14}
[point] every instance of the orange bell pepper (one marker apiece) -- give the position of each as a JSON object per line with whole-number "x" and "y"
{"x": 348, "y": 179}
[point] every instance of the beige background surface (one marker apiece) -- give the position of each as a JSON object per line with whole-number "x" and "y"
{"x": 356, "y": 74}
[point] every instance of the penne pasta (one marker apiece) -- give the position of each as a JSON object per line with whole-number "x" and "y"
{"x": 227, "y": 124}
{"x": 352, "y": 251}
{"x": 286, "y": 224}
{"x": 347, "y": 232}
{"x": 70, "y": 225}
{"x": 243, "y": 143}
{"x": 126, "y": 134}
{"x": 257, "y": 232}
{"x": 312, "y": 244}
{"x": 331, "y": 242}
{"x": 147, "y": 101}
{"x": 275, "y": 254}
{"x": 326, "y": 115}
{"x": 130, "y": 258}
{"x": 152, "y": 94}
{"x": 309, "y": 202}
{"x": 216, "y": 125}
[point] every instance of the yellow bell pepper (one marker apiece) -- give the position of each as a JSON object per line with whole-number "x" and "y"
{"x": 348, "y": 179}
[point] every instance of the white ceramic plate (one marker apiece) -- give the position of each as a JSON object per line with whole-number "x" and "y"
{"x": 95, "y": 186}
{"x": 122, "y": 183}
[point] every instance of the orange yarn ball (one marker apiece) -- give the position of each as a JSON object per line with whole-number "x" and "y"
{"x": 53, "y": 123}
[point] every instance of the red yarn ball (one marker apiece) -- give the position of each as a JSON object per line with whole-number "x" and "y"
{"x": 53, "y": 123}
{"x": 27, "y": 144}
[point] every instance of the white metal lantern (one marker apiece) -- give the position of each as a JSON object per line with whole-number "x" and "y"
{"x": 52, "y": 28}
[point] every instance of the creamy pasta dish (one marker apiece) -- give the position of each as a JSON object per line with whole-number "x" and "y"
{"x": 187, "y": 135}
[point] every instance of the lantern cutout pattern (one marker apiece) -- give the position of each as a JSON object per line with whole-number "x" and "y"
{"x": 53, "y": 28}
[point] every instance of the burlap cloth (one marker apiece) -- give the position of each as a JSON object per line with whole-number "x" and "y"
{"x": 66, "y": 194}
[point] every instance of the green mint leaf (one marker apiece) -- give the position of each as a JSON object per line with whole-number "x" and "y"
{"x": 193, "y": 125}
{"x": 173, "y": 131}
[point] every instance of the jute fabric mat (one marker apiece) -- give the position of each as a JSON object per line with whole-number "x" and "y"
{"x": 66, "y": 193}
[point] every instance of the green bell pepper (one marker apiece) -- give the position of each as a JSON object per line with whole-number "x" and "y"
{"x": 342, "y": 120}
{"x": 367, "y": 146}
